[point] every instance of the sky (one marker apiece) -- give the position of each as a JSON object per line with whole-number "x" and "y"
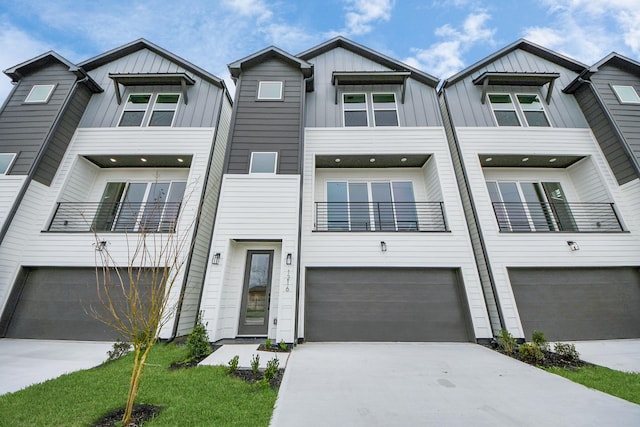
{"x": 440, "y": 37}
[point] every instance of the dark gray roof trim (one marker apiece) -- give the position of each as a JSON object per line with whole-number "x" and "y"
{"x": 146, "y": 79}
{"x": 369, "y": 54}
{"x": 17, "y": 72}
{"x": 614, "y": 59}
{"x": 525, "y": 45}
{"x": 236, "y": 67}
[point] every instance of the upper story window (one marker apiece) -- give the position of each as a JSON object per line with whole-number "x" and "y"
{"x": 507, "y": 114}
{"x": 6, "y": 160}
{"x": 532, "y": 110}
{"x": 270, "y": 91}
{"x": 263, "y": 163}
{"x": 626, "y": 94}
{"x": 40, "y": 94}
{"x": 385, "y": 111}
{"x": 355, "y": 109}
{"x": 503, "y": 109}
{"x": 162, "y": 109}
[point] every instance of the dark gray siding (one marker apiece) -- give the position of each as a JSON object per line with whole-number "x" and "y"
{"x": 267, "y": 125}
{"x": 604, "y": 131}
{"x": 578, "y": 303}
{"x": 24, "y": 127}
{"x": 62, "y": 135}
{"x": 627, "y": 116}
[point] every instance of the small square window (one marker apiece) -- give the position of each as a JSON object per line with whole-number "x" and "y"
{"x": 355, "y": 109}
{"x": 263, "y": 163}
{"x": 270, "y": 90}
{"x": 40, "y": 94}
{"x": 6, "y": 160}
{"x": 626, "y": 94}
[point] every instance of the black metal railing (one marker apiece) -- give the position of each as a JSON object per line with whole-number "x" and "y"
{"x": 554, "y": 217}
{"x": 380, "y": 216}
{"x": 74, "y": 217}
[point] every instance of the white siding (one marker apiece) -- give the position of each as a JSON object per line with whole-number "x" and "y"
{"x": 252, "y": 210}
{"x": 10, "y": 186}
{"x": 406, "y": 249}
{"x": 588, "y": 180}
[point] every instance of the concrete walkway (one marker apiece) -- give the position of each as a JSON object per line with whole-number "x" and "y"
{"x": 622, "y": 355}
{"x": 439, "y": 384}
{"x": 27, "y": 362}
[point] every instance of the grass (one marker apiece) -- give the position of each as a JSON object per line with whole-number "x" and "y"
{"x": 205, "y": 395}
{"x": 625, "y": 385}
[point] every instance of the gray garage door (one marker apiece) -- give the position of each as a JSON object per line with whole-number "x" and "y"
{"x": 385, "y": 304}
{"x": 578, "y": 303}
{"x": 54, "y": 304}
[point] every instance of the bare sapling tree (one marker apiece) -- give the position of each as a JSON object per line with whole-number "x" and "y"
{"x": 136, "y": 295}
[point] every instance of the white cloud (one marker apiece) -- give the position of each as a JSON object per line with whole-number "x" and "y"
{"x": 445, "y": 58}
{"x": 363, "y": 14}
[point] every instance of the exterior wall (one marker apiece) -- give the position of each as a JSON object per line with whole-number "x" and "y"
{"x": 588, "y": 180}
{"x": 464, "y": 97}
{"x": 406, "y": 249}
{"x": 25, "y": 127}
{"x": 10, "y": 186}
{"x": 419, "y": 109}
{"x": 267, "y": 126}
{"x": 253, "y": 213}
{"x": 103, "y": 110}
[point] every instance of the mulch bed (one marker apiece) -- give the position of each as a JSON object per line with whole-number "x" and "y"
{"x": 550, "y": 359}
{"x": 248, "y": 376}
{"x": 141, "y": 413}
{"x": 274, "y": 348}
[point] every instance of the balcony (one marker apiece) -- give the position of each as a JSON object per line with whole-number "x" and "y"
{"x": 122, "y": 217}
{"x": 380, "y": 216}
{"x": 557, "y": 217}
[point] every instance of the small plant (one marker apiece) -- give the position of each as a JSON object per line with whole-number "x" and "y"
{"x": 233, "y": 364}
{"x": 119, "y": 349}
{"x": 539, "y": 340}
{"x": 198, "y": 341}
{"x": 255, "y": 363}
{"x": 271, "y": 369}
{"x": 506, "y": 341}
{"x": 531, "y": 353}
{"x": 267, "y": 343}
{"x": 283, "y": 345}
{"x": 566, "y": 351}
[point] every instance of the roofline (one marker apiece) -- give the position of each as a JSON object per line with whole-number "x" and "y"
{"x": 139, "y": 44}
{"x": 381, "y": 59}
{"x": 236, "y": 67}
{"x": 616, "y": 55}
{"x": 586, "y": 75}
{"x": 525, "y": 45}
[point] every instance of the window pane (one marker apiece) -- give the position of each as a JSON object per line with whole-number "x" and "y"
{"x": 382, "y": 206}
{"x": 109, "y": 204}
{"x": 627, "y": 94}
{"x": 39, "y": 93}
{"x": 355, "y": 118}
{"x": 337, "y": 213}
{"x": 359, "y": 206}
{"x": 384, "y": 98}
{"x": 154, "y": 206}
{"x": 357, "y": 98}
{"x": 161, "y": 118}
{"x": 537, "y": 206}
{"x": 406, "y": 215}
{"x": 507, "y": 118}
{"x": 499, "y": 99}
{"x": 167, "y": 99}
{"x": 139, "y": 99}
{"x": 386, "y": 118}
{"x": 131, "y": 118}
{"x": 257, "y": 298}
{"x": 529, "y": 102}
{"x": 270, "y": 90}
{"x": 5, "y": 162}
{"x": 559, "y": 206}
{"x": 131, "y": 207}
{"x": 263, "y": 162}
{"x": 172, "y": 206}
{"x": 514, "y": 207}
{"x": 536, "y": 118}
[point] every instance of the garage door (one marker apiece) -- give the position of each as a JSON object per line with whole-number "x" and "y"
{"x": 384, "y": 304}
{"x": 578, "y": 303}
{"x": 54, "y": 304}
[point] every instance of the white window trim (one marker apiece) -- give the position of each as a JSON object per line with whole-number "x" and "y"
{"x": 613, "y": 87}
{"x": 150, "y": 108}
{"x": 51, "y": 90}
{"x": 522, "y": 110}
{"x": 10, "y": 164}
{"x": 275, "y": 163}
{"x": 374, "y": 109}
{"x": 153, "y": 108}
{"x": 493, "y": 111}
{"x": 366, "y": 108}
{"x": 146, "y": 108}
{"x": 265, "y": 98}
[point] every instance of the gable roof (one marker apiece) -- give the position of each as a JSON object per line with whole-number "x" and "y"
{"x": 526, "y": 46}
{"x": 614, "y": 59}
{"x": 136, "y": 45}
{"x": 369, "y": 54}
{"x": 236, "y": 67}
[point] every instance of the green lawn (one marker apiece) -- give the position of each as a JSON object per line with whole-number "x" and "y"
{"x": 624, "y": 385}
{"x": 189, "y": 397}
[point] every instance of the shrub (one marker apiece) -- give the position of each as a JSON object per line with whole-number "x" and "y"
{"x": 531, "y": 353}
{"x": 506, "y": 341}
{"x": 539, "y": 340}
{"x": 233, "y": 364}
{"x": 271, "y": 369}
{"x": 255, "y": 363}
{"x": 566, "y": 351}
{"x": 267, "y": 343}
{"x": 283, "y": 345}
{"x": 198, "y": 341}
{"x": 119, "y": 349}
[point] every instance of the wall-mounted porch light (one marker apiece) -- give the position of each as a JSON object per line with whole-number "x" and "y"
{"x": 383, "y": 246}
{"x": 289, "y": 258}
{"x": 216, "y": 258}
{"x": 573, "y": 245}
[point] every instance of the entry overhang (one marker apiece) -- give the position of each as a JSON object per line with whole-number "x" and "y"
{"x": 151, "y": 79}
{"x": 498, "y": 78}
{"x": 345, "y": 78}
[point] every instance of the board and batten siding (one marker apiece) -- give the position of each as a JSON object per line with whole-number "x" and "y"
{"x": 104, "y": 111}
{"x": 464, "y": 97}
{"x": 450, "y": 249}
{"x": 24, "y": 127}
{"x": 253, "y": 211}
{"x": 591, "y": 177}
{"x": 419, "y": 109}
{"x": 264, "y": 125}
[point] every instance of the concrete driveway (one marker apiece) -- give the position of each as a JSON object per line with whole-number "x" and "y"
{"x": 424, "y": 384}
{"x": 27, "y": 362}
